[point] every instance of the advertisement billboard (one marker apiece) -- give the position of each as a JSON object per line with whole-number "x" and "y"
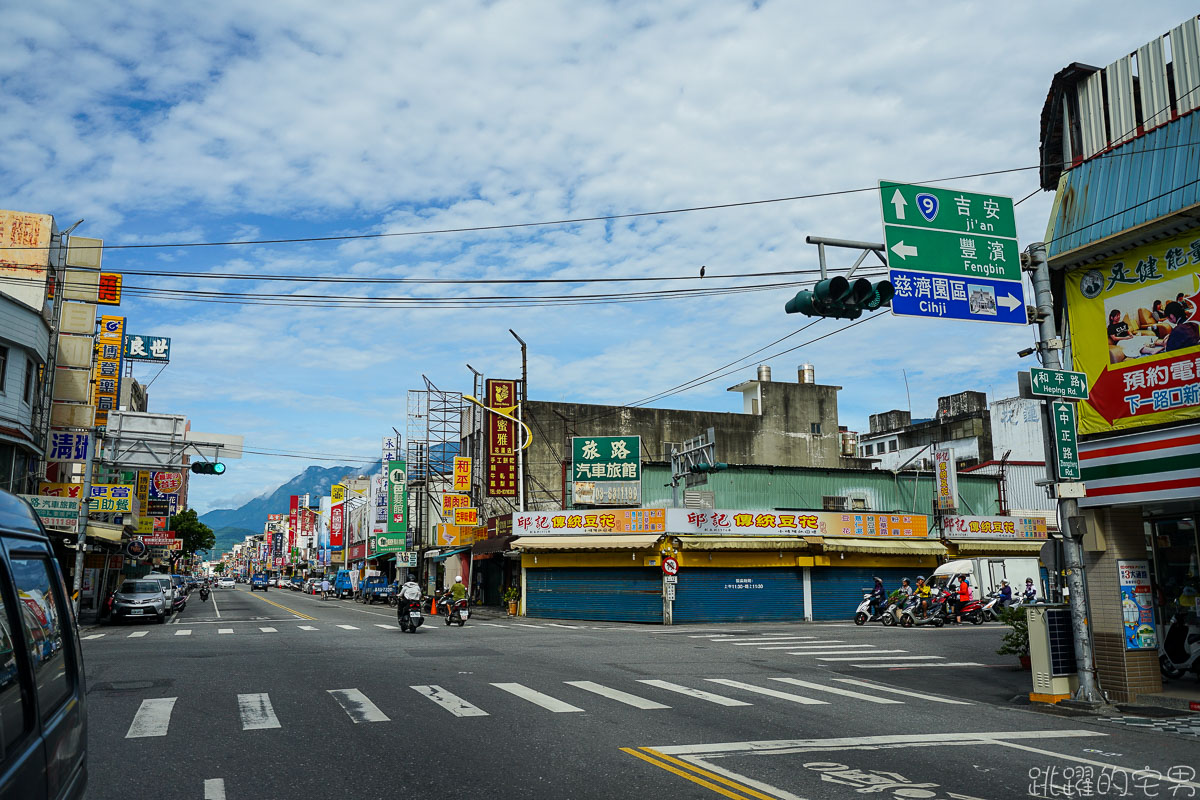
{"x": 502, "y": 439}
{"x": 1135, "y": 332}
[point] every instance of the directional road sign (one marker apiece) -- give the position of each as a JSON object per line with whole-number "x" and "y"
{"x": 969, "y": 238}
{"x": 921, "y": 294}
{"x": 1058, "y": 383}
{"x": 1065, "y": 440}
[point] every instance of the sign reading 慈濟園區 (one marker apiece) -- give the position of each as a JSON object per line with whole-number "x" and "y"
{"x": 1065, "y": 439}
{"x": 606, "y": 470}
{"x": 952, "y": 254}
{"x": 1045, "y": 382}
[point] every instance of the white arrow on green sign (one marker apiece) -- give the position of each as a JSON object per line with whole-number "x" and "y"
{"x": 1066, "y": 443}
{"x": 1045, "y": 382}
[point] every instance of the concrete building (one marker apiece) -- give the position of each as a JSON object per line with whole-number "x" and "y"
{"x": 24, "y": 343}
{"x": 962, "y": 423}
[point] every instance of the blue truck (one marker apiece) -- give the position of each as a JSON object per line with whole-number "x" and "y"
{"x": 343, "y": 586}
{"x": 260, "y": 580}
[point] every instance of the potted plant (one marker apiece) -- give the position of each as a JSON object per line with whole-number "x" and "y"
{"x": 511, "y": 596}
{"x": 1016, "y": 640}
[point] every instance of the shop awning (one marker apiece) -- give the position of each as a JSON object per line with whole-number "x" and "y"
{"x": 596, "y": 543}
{"x": 381, "y": 557}
{"x": 899, "y": 547}
{"x": 104, "y": 530}
{"x": 453, "y": 551}
{"x": 1030, "y": 547}
{"x": 742, "y": 543}
{"x": 497, "y": 544}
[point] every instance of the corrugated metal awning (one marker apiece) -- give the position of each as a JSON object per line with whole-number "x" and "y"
{"x": 597, "y": 542}
{"x": 902, "y": 547}
{"x": 742, "y": 543}
{"x": 975, "y": 547}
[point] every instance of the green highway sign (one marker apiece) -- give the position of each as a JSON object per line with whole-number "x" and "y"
{"x": 941, "y": 209}
{"x": 1066, "y": 445}
{"x": 968, "y": 254}
{"x": 1058, "y": 383}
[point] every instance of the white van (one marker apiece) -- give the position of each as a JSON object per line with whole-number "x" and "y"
{"x": 986, "y": 573}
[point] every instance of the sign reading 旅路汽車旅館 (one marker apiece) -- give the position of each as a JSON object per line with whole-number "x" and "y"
{"x": 606, "y": 470}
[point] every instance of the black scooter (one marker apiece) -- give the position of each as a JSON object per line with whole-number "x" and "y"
{"x": 410, "y": 615}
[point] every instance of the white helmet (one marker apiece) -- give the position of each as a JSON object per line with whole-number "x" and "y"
{"x": 458, "y": 578}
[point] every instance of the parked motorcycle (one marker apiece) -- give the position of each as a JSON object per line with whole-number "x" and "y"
{"x": 1179, "y": 651}
{"x": 864, "y": 614}
{"x": 410, "y": 615}
{"x": 454, "y": 610}
{"x": 910, "y": 615}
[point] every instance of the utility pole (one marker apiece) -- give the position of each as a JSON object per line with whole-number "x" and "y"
{"x": 1050, "y": 347}
{"x": 521, "y": 416}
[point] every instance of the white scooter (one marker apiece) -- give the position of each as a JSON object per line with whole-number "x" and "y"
{"x": 863, "y": 614}
{"x": 1179, "y": 651}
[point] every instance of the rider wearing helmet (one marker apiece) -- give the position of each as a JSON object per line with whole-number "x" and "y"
{"x": 922, "y": 592}
{"x": 458, "y": 591}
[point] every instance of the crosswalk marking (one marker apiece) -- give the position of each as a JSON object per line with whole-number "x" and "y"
{"x": 256, "y": 712}
{"x": 153, "y": 717}
{"x": 843, "y": 692}
{"x": 798, "y": 640}
{"x": 556, "y": 625}
{"x": 820, "y": 644}
{"x": 878, "y": 658}
{"x": 348, "y": 627}
{"x": 381, "y": 625}
{"x": 537, "y": 698}
{"x": 834, "y": 651}
{"x": 527, "y": 625}
{"x": 451, "y": 702}
{"x": 184, "y": 632}
{"x": 699, "y": 694}
{"x": 767, "y": 638}
{"x": 906, "y": 693}
{"x": 214, "y": 789}
{"x": 268, "y": 629}
{"x": 616, "y": 694}
{"x": 358, "y": 706}
{"x": 307, "y": 628}
{"x": 750, "y": 687}
{"x": 95, "y": 636}
{"x": 492, "y": 624}
{"x": 224, "y": 630}
{"x": 137, "y": 634}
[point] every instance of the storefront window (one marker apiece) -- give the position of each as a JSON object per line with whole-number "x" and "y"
{"x": 1175, "y": 549}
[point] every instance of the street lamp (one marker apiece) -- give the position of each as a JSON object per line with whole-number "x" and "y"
{"x": 526, "y": 439}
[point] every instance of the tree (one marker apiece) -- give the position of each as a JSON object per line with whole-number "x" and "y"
{"x": 218, "y": 567}
{"x": 195, "y": 534}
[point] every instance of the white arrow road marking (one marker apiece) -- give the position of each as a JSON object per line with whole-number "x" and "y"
{"x": 1008, "y": 301}
{"x": 153, "y": 718}
{"x": 898, "y": 202}
{"x": 256, "y": 712}
{"x": 903, "y": 250}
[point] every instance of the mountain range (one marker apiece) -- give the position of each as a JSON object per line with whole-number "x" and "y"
{"x": 232, "y": 525}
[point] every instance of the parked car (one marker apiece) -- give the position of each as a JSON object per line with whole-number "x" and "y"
{"x": 295, "y": 583}
{"x": 139, "y": 599}
{"x": 259, "y": 581}
{"x": 225, "y": 582}
{"x": 41, "y": 666}
{"x": 168, "y": 587}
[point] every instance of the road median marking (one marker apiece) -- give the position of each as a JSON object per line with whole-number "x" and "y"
{"x": 285, "y": 608}
{"x": 693, "y": 774}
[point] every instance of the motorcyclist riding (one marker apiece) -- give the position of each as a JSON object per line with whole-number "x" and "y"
{"x": 1030, "y": 593}
{"x": 1005, "y": 594}
{"x": 458, "y": 591}
{"x": 922, "y": 592}
{"x": 878, "y": 597}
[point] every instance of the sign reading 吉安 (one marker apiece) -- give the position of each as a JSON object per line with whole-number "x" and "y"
{"x": 1058, "y": 383}
{"x": 1065, "y": 439}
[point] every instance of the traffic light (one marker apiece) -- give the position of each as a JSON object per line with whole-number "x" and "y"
{"x": 839, "y": 298}
{"x": 705, "y": 468}
{"x": 208, "y": 468}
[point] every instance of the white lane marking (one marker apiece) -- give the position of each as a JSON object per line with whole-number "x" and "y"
{"x": 556, "y": 625}
{"x": 94, "y": 636}
{"x": 843, "y": 692}
{"x": 184, "y": 632}
{"x": 214, "y": 599}
{"x": 996, "y": 737}
{"x": 527, "y": 625}
{"x": 306, "y": 627}
{"x": 879, "y": 658}
{"x": 750, "y": 687}
{"x": 153, "y": 717}
{"x": 214, "y": 789}
{"x": 269, "y": 629}
{"x": 709, "y": 635}
{"x": 491, "y": 624}
{"x": 451, "y": 702}
{"x": 1101, "y": 764}
{"x": 358, "y": 706}
{"x": 381, "y": 625}
{"x": 537, "y": 698}
{"x": 820, "y": 646}
{"x": 875, "y": 687}
{"x": 835, "y": 650}
{"x": 137, "y": 634}
{"x": 917, "y": 666}
{"x": 798, "y": 641}
{"x": 615, "y": 694}
{"x": 256, "y": 712}
{"x": 348, "y": 627}
{"x": 767, "y": 638}
{"x": 699, "y": 694}
{"x": 224, "y": 630}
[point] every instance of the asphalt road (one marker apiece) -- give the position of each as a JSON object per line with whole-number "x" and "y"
{"x": 280, "y": 695}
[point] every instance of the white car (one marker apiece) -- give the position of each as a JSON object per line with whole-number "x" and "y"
{"x": 225, "y": 583}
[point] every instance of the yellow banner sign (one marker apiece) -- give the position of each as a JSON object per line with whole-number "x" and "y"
{"x": 453, "y": 501}
{"x": 462, "y": 474}
{"x": 337, "y": 493}
{"x": 466, "y": 517}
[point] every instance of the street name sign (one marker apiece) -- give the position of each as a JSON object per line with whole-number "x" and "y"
{"x": 1063, "y": 383}
{"x": 1066, "y": 443}
{"x": 965, "y": 241}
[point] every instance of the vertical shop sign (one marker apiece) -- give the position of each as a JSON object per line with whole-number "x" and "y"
{"x": 106, "y": 379}
{"x": 462, "y": 474}
{"x": 293, "y": 520}
{"x": 502, "y": 435}
{"x": 337, "y": 517}
{"x": 397, "y": 497}
{"x": 1137, "y": 605}
{"x": 947, "y": 479}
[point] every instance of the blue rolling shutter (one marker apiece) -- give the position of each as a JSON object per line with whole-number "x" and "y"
{"x": 614, "y": 595}
{"x": 837, "y": 591}
{"x": 739, "y": 595}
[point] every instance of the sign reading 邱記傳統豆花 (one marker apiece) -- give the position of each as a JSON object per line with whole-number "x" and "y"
{"x": 952, "y": 254}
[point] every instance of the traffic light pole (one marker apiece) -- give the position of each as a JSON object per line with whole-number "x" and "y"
{"x": 1050, "y": 347}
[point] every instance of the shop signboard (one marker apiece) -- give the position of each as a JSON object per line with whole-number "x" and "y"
{"x": 1137, "y": 605}
{"x": 106, "y": 380}
{"x": 462, "y": 474}
{"x": 834, "y": 524}
{"x": 451, "y": 501}
{"x": 60, "y": 489}
{"x": 1135, "y": 332}
{"x": 466, "y": 517}
{"x": 112, "y": 498}
{"x": 946, "y": 474}
{"x": 407, "y": 559}
{"x": 337, "y": 517}
{"x": 293, "y": 524}
{"x": 973, "y": 527}
{"x": 108, "y": 289}
{"x": 502, "y": 437}
{"x": 458, "y": 536}
{"x": 397, "y": 497}
{"x": 606, "y": 470}
{"x": 69, "y": 446}
{"x": 59, "y": 513}
{"x": 156, "y": 349}
{"x": 571, "y": 523}
{"x": 24, "y": 256}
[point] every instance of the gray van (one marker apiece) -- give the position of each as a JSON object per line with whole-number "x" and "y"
{"x": 43, "y": 713}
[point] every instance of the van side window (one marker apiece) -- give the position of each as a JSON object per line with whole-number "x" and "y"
{"x": 41, "y": 615}
{"x": 14, "y": 721}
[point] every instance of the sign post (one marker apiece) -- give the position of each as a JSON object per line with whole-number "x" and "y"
{"x": 1065, "y": 439}
{"x": 952, "y": 254}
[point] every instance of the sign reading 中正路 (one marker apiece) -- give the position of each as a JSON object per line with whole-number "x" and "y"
{"x": 1063, "y": 383}
{"x": 1065, "y": 439}
{"x": 946, "y": 475}
{"x": 606, "y": 470}
{"x": 952, "y": 254}
{"x": 147, "y": 348}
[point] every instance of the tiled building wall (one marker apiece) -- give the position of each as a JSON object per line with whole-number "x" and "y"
{"x": 1124, "y": 674}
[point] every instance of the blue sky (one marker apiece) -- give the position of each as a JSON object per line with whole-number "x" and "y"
{"x": 167, "y": 123}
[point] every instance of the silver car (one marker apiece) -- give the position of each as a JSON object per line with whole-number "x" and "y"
{"x": 138, "y": 598}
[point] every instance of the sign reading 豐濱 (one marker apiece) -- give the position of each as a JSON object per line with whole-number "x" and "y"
{"x": 952, "y": 254}
{"x": 606, "y": 470}
{"x": 946, "y": 476}
{"x": 1058, "y": 383}
{"x": 1065, "y": 439}
{"x": 147, "y": 348}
